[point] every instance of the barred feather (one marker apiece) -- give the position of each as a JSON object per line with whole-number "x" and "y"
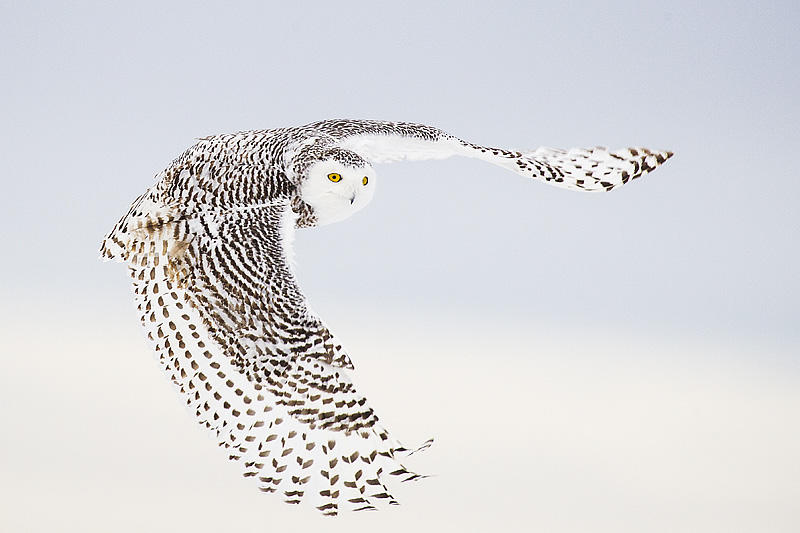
{"x": 209, "y": 251}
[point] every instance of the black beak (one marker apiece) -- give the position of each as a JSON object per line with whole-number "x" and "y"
{"x": 352, "y": 199}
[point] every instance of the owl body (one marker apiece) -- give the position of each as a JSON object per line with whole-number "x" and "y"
{"x": 209, "y": 251}
{"x": 253, "y": 168}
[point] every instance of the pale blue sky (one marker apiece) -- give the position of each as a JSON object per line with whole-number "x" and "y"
{"x": 100, "y": 97}
{"x": 678, "y": 293}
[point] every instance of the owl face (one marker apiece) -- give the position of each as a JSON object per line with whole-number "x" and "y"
{"x": 336, "y": 190}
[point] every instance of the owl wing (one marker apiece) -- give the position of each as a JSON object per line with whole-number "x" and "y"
{"x": 221, "y": 306}
{"x": 585, "y": 169}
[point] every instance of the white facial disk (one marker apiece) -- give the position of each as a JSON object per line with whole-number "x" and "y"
{"x": 336, "y": 191}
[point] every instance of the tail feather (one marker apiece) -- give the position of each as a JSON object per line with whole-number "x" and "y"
{"x": 147, "y": 221}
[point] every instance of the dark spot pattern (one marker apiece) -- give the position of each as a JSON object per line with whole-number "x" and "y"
{"x": 209, "y": 258}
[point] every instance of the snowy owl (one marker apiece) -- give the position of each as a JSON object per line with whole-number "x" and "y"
{"x": 209, "y": 249}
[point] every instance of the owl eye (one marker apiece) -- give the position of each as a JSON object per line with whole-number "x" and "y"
{"x": 365, "y": 180}
{"x": 334, "y": 177}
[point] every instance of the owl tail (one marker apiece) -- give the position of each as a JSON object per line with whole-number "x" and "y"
{"x": 146, "y": 224}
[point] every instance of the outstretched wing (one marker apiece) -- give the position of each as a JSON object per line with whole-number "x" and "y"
{"x": 218, "y": 297}
{"x": 586, "y": 169}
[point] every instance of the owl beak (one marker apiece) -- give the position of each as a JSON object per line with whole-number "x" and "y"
{"x": 352, "y": 198}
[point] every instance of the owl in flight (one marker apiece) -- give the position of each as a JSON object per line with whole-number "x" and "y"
{"x": 209, "y": 249}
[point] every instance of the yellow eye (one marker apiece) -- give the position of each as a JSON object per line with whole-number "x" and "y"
{"x": 365, "y": 180}
{"x": 334, "y": 177}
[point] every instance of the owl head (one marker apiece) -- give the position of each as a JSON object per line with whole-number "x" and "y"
{"x": 337, "y": 185}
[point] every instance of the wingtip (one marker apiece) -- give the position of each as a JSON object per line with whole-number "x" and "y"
{"x": 662, "y": 155}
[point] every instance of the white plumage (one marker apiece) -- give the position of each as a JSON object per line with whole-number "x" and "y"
{"x": 209, "y": 251}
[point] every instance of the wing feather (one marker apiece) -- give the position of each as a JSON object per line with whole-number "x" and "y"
{"x": 222, "y": 310}
{"x": 584, "y": 169}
